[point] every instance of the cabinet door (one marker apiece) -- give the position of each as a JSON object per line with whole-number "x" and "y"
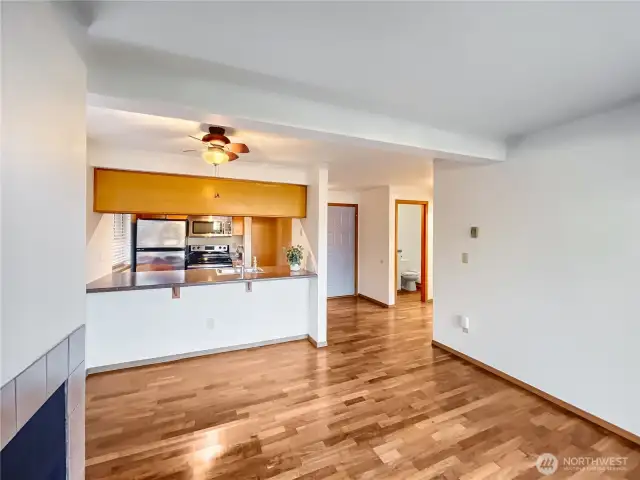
{"x": 238, "y": 225}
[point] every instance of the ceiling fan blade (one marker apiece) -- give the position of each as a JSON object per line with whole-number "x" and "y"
{"x": 185, "y": 151}
{"x": 216, "y": 130}
{"x": 215, "y": 137}
{"x": 237, "y": 148}
{"x": 195, "y": 138}
{"x": 232, "y": 156}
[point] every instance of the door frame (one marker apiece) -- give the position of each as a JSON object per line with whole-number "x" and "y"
{"x": 423, "y": 247}
{"x": 356, "y": 241}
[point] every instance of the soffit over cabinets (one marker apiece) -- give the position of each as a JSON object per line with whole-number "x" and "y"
{"x": 123, "y": 191}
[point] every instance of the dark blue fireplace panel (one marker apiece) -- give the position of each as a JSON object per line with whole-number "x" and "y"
{"x": 38, "y": 451}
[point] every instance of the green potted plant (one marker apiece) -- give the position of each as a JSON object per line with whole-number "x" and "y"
{"x": 294, "y": 257}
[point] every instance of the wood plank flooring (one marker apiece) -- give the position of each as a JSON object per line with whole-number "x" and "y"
{"x": 379, "y": 402}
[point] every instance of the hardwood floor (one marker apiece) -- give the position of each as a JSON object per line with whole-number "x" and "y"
{"x": 379, "y": 402}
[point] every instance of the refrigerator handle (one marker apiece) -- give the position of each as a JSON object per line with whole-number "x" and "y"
{"x": 134, "y": 241}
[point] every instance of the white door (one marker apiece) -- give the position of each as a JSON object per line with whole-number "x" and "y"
{"x": 341, "y": 245}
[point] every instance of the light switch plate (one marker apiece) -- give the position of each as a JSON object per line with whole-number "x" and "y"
{"x": 465, "y": 257}
{"x": 464, "y": 323}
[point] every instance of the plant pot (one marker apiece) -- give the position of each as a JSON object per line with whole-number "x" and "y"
{"x": 294, "y": 267}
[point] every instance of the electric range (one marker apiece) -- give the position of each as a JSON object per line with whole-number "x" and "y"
{"x": 209, "y": 256}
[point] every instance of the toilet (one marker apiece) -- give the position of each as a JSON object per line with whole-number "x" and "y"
{"x": 409, "y": 279}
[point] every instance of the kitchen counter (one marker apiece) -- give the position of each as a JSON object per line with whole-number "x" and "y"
{"x": 117, "y": 282}
{"x": 138, "y": 319}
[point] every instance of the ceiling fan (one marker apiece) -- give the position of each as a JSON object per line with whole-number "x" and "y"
{"x": 219, "y": 147}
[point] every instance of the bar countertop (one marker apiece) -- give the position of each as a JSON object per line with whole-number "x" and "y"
{"x": 118, "y": 282}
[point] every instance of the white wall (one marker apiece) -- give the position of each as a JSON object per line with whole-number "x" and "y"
{"x": 377, "y": 252}
{"x": 551, "y": 287}
{"x": 344, "y": 196}
{"x": 314, "y": 228}
{"x": 373, "y": 239}
{"x": 99, "y": 237}
{"x": 145, "y": 324}
{"x": 42, "y": 180}
{"x": 409, "y": 239}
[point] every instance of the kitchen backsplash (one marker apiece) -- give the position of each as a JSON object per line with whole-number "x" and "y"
{"x": 236, "y": 240}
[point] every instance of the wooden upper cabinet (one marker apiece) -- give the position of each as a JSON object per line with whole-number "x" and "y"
{"x": 122, "y": 191}
{"x": 238, "y": 226}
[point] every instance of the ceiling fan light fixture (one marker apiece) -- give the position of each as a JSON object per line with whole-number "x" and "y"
{"x": 215, "y": 156}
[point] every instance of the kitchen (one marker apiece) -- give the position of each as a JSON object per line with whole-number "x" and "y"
{"x": 185, "y": 242}
{"x": 224, "y": 236}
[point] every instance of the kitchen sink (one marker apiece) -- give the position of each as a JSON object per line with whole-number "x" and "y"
{"x": 226, "y": 271}
{"x": 236, "y": 271}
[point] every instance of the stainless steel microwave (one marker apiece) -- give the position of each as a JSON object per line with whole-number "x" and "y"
{"x": 206, "y": 227}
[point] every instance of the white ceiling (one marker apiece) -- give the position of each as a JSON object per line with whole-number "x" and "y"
{"x": 351, "y": 167}
{"x": 496, "y": 69}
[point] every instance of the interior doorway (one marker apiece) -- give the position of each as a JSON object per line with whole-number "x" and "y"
{"x": 342, "y": 250}
{"x": 411, "y": 272}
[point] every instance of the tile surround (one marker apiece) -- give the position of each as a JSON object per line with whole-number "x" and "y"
{"x": 39, "y": 450}
{"x": 8, "y": 419}
{"x": 31, "y": 390}
{"x": 76, "y": 348}
{"x": 23, "y": 396}
{"x": 75, "y": 388}
{"x": 57, "y": 366}
{"x": 75, "y": 441}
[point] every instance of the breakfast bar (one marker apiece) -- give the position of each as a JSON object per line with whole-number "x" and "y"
{"x": 139, "y": 318}
{"x": 119, "y": 282}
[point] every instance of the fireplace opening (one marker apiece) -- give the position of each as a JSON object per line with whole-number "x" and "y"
{"x": 39, "y": 449}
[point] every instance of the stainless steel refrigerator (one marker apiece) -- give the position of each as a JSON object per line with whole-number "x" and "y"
{"x": 160, "y": 245}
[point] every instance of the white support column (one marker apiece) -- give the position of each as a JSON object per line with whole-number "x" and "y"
{"x": 315, "y": 229}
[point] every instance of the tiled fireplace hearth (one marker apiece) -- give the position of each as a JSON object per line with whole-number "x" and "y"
{"x": 42, "y": 416}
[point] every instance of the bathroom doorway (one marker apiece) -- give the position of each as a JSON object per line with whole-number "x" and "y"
{"x": 411, "y": 249}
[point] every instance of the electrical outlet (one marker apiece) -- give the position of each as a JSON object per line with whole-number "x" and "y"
{"x": 211, "y": 323}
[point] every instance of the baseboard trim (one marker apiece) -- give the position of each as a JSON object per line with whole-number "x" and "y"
{"x": 186, "y": 356}
{"x": 374, "y": 301}
{"x": 313, "y": 342}
{"x": 550, "y": 398}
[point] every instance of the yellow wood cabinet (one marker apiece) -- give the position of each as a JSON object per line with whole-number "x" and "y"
{"x": 123, "y": 191}
{"x": 237, "y": 226}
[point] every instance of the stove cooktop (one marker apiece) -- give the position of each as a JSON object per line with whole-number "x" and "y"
{"x": 209, "y": 256}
